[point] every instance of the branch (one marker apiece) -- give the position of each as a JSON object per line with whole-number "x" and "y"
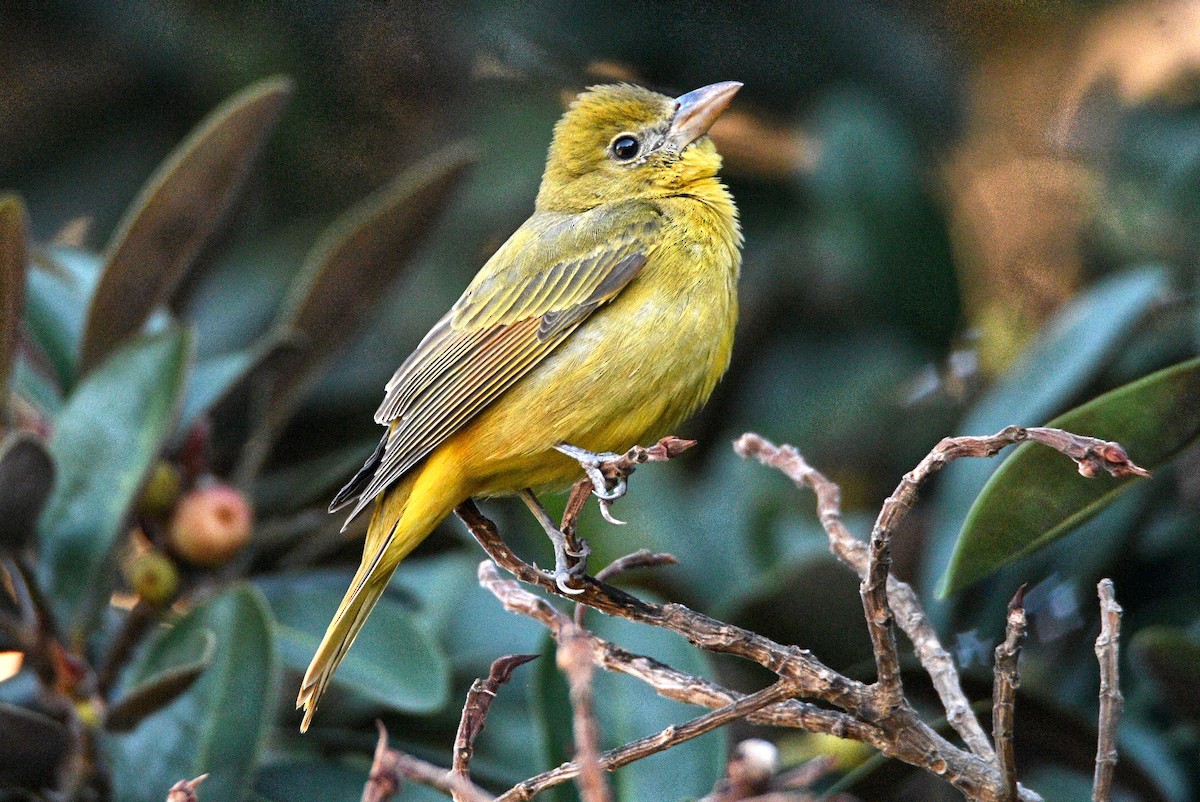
{"x": 185, "y": 790}
{"x": 643, "y": 558}
{"x": 1111, "y": 701}
{"x": 574, "y": 660}
{"x": 669, "y": 682}
{"x": 475, "y": 709}
{"x": 902, "y": 734}
{"x": 1004, "y": 695}
{"x": 904, "y": 603}
{"x": 879, "y": 714}
{"x": 654, "y": 744}
{"x": 1090, "y": 454}
{"x": 814, "y": 678}
{"x": 873, "y": 589}
{"x": 391, "y": 766}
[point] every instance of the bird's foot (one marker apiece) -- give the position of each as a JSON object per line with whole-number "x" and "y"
{"x": 565, "y": 571}
{"x": 570, "y": 562}
{"x": 609, "y": 483}
{"x": 606, "y": 486}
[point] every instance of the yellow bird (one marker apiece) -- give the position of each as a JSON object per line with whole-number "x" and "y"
{"x": 603, "y": 322}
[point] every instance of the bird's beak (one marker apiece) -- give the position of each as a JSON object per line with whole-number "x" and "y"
{"x": 696, "y": 111}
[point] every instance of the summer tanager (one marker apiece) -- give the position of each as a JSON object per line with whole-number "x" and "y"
{"x": 604, "y": 321}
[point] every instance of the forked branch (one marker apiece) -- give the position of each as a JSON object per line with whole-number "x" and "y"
{"x": 878, "y": 714}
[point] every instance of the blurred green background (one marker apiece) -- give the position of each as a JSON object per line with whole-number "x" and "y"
{"x": 957, "y": 217}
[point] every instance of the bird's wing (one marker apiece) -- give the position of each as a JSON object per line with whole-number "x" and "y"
{"x": 529, "y": 297}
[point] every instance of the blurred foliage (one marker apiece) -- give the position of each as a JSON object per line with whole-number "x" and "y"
{"x": 956, "y": 219}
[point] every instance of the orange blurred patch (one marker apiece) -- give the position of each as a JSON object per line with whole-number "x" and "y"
{"x": 10, "y": 664}
{"x": 756, "y": 147}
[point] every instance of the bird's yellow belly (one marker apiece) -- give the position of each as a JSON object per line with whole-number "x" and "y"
{"x": 634, "y": 371}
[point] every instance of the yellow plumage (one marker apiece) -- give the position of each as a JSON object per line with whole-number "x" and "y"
{"x": 604, "y": 321}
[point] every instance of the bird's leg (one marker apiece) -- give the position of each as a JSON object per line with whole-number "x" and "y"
{"x": 607, "y": 486}
{"x": 563, "y": 569}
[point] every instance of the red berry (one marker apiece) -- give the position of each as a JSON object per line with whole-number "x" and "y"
{"x": 211, "y": 525}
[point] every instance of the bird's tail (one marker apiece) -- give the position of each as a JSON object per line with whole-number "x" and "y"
{"x": 389, "y": 538}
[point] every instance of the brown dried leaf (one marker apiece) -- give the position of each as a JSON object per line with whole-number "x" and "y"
{"x": 26, "y": 479}
{"x": 179, "y": 210}
{"x": 31, "y": 747}
{"x": 14, "y": 242}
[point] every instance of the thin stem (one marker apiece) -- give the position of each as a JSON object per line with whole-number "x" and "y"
{"x": 654, "y": 744}
{"x": 475, "y": 709}
{"x": 1111, "y": 701}
{"x": 575, "y": 661}
{"x": 1004, "y": 695}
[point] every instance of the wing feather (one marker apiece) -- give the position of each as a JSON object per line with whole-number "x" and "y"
{"x": 523, "y": 304}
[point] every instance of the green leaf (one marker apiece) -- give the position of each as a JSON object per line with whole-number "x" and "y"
{"x": 58, "y": 290}
{"x": 302, "y": 483}
{"x": 474, "y": 627}
{"x": 394, "y": 662}
{"x": 316, "y": 779}
{"x": 14, "y": 246}
{"x": 37, "y": 388}
{"x": 151, "y": 694}
{"x": 214, "y": 377}
{"x": 105, "y": 440}
{"x": 628, "y": 709}
{"x": 1171, "y": 656}
{"x": 209, "y": 381}
{"x": 179, "y": 209}
{"x": 347, "y": 273}
{"x": 219, "y": 723}
{"x": 1037, "y": 495}
{"x": 1072, "y": 350}
{"x": 26, "y": 479}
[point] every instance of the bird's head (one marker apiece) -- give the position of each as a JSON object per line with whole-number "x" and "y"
{"x": 620, "y": 142}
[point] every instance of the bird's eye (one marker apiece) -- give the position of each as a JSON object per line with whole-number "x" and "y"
{"x": 625, "y": 147}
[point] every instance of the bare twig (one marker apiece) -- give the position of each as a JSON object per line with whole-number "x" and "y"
{"x": 575, "y": 661}
{"x": 667, "y": 681}
{"x": 654, "y": 744}
{"x": 1090, "y": 454}
{"x": 383, "y": 781}
{"x": 878, "y": 714}
{"x": 910, "y": 739}
{"x": 391, "y": 766}
{"x": 185, "y": 790}
{"x": 878, "y": 611}
{"x": 815, "y": 678}
{"x": 581, "y": 491}
{"x": 475, "y": 708}
{"x": 1004, "y": 694}
{"x": 665, "y": 449}
{"x": 643, "y": 558}
{"x": 1111, "y": 701}
{"x": 904, "y": 603}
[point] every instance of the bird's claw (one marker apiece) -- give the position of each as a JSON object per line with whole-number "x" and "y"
{"x": 606, "y": 513}
{"x": 591, "y": 463}
{"x": 564, "y": 571}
